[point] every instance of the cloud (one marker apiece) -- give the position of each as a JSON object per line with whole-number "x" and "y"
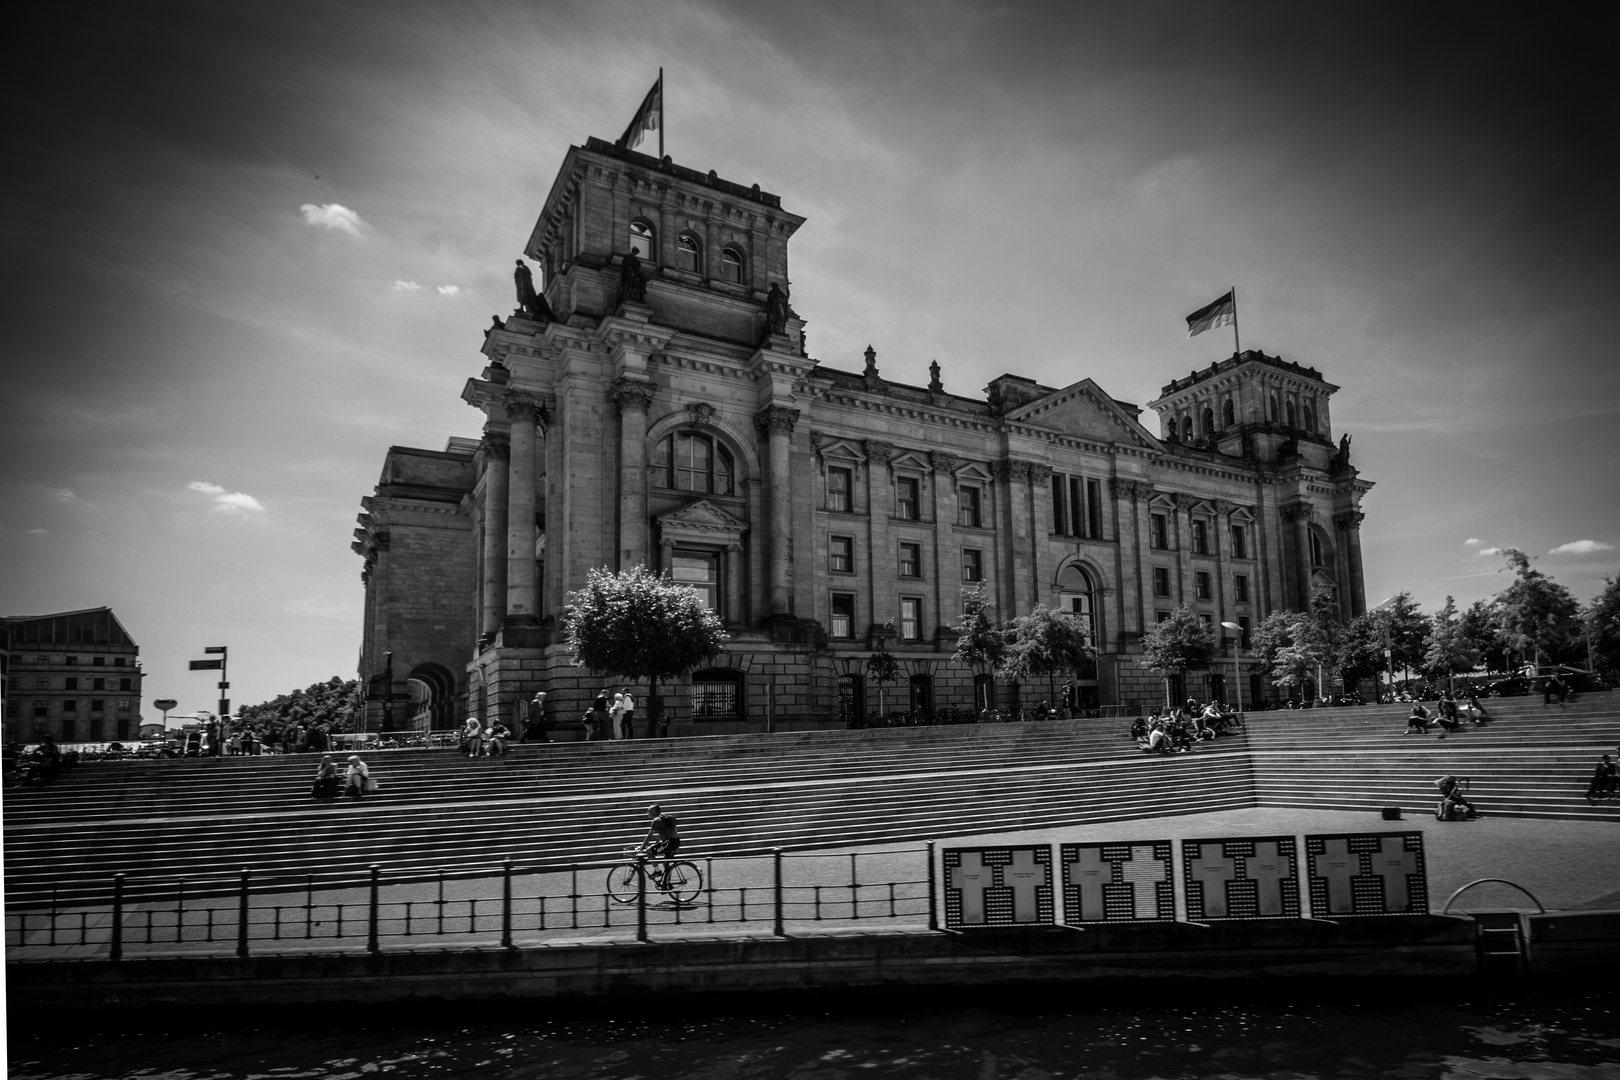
{"x": 406, "y": 286}
{"x": 62, "y": 495}
{"x": 38, "y": 532}
{"x": 1581, "y": 547}
{"x": 333, "y": 216}
{"x": 449, "y": 290}
{"x": 1472, "y": 541}
{"x": 1488, "y": 551}
{"x": 228, "y": 503}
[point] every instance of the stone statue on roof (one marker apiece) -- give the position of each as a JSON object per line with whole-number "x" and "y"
{"x": 530, "y": 303}
{"x": 632, "y": 286}
{"x": 776, "y": 310}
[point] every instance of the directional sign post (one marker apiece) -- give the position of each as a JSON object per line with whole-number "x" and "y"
{"x": 219, "y": 666}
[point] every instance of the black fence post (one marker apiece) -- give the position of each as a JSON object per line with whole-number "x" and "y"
{"x": 641, "y": 898}
{"x": 506, "y": 903}
{"x": 776, "y": 866}
{"x": 242, "y": 917}
{"x": 371, "y": 939}
{"x": 933, "y": 892}
{"x": 115, "y": 951}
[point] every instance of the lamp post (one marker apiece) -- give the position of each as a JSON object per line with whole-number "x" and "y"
{"x": 1237, "y": 673}
{"x": 1389, "y": 647}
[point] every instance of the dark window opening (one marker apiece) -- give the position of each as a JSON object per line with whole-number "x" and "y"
{"x": 717, "y": 695}
{"x": 843, "y": 615}
{"x": 1161, "y": 581}
{"x": 908, "y": 498}
{"x": 972, "y": 565}
{"x": 841, "y": 558}
{"x": 911, "y": 560}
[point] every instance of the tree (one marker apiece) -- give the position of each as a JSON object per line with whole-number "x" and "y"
{"x": 1540, "y": 618}
{"x": 881, "y": 666}
{"x": 1287, "y": 643}
{"x": 1450, "y": 652}
{"x": 1180, "y": 642}
{"x": 334, "y": 702}
{"x": 980, "y": 643}
{"x": 1481, "y": 625}
{"x": 640, "y": 625}
{"x": 1408, "y": 631}
{"x": 1603, "y": 624}
{"x": 1361, "y": 651}
{"x": 1044, "y": 643}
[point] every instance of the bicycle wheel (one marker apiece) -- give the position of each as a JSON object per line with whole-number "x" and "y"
{"x": 624, "y": 883}
{"x": 683, "y": 881}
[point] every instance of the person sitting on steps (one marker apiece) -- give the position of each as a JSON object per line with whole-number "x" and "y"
{"x": 1417, "y": 721}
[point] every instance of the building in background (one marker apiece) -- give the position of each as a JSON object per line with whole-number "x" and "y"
{"x": 75, "y": 676}
{"x": 654, "y": 403}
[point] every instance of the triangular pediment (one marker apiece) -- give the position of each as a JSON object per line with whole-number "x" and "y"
{"x": 703, "y": 516}
{"x": 1083, "y": 410}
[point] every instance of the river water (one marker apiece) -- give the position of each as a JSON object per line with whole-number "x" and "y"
{"x": 1184, "y": 1028}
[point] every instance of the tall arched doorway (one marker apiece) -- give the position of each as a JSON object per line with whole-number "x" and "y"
{"x": 1078, "y": 599}
{"x": 432, "y": 698}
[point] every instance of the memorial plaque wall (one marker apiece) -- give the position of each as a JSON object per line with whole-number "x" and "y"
{"x": 1007, "y": 886}
{"x": 1366, "y": 874}
{"x": 1127, "y": 882}
{"x": 1247, "y": 877}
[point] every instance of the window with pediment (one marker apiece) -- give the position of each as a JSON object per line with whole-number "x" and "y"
{"x": 690, "y": 461}
{"x": 908, "y": 498}
{"x": 840, "y": 486}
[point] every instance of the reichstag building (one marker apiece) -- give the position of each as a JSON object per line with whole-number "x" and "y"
{"x": 653, "y": 403}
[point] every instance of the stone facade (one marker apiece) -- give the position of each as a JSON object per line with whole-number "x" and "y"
{"x": 75, "y": 676}
{"x": 661, "y": 408}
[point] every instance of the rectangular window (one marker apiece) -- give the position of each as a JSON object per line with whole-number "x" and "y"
{"x": 1164, "y": 616}
{"x": 70, "y": 683}
{"x": 70, "y": 705}
{"x": 42, "y": 683}
{"x": 42, "y": 707}
{"x": 100, "y": 661}
{"x": 1244, "y": 624}
{"x": 911, "y": 560}
{"x": 70, "y": 659}
{"x": 98, "y": 684}
{"x": 972, "y": 564}
{"x": 700, "y": 570}
{"x": 1240, "y": 546}
{"x": 97, "y": 705}
{"x": 126, "y": 684}
{"x": 843, "y": 615}
{"x": 1060, "y": 505}
{"x": 908, "y": 500}
{"x": 969, "y": 497}
{"x": 1077, "y": 507}
{"x": 118, "y": 661}
{"x": 1206, "y": 618}
{"x": 68, "y": 729}
{"x": 1160, "y": 537}
{"x": 1203, "y": 585}
{"x": 1094, "y": 509}
{"x": 1240, "y": 588}
{"x": 1161, "y": 581}
{"x": 97, "y": 726}
{"x": 910, "y": 618}
{"x": 839, "y": 484}
{"x": 123, "y": 704}
{"x": 1200, "y": 537}
{"x": 841, "y": 558}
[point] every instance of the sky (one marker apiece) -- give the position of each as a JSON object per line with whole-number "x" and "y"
{"x": 249, "y": 247}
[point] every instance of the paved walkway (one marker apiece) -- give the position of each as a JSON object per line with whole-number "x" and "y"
{"x": 1562, "y": 864}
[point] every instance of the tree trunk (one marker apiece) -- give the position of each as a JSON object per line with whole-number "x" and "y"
{"x": 652, "y": 707}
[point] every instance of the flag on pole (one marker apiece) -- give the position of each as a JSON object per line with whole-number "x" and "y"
{"x": 1222, "y": 312}
{"x": 648, "y": 118}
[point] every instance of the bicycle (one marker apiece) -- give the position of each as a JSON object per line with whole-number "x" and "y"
{"x": 679, "y": 880}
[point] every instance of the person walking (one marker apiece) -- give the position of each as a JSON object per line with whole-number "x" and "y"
{"x": 597, "y": 720}
{"x": 615, "y": 715}
{"x": 627, "y": 714}
{"x": 535, "y": 731}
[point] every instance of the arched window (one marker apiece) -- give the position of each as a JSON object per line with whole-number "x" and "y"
{"x": 1271, "y": 409}
{"x": 851, "y": 700}
{"x": 717, "y": 695}
{"x": 688, "y": 253}
{"x": 1228, "y": 414}
{"x": 1316, "y": 549}
{"x": 922, "y": 695}
{"x": 1079, "y": 599}
{"x": 688, "y": 461}
{"x": 1310, "y": 420}
{"x": 1186, "y": 429}
{"x": 1209, "y": 421}
{"x": 641, "y": 241}
{"x": 1293, "y": 416}
{"x": 731, "y": 265}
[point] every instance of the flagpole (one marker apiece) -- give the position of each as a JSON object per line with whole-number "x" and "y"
{"x": 1237, "y": 350}
{"x": 663, "y": 113}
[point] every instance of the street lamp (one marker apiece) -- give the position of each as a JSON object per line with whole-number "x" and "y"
{"x": 1389, "y": 647}
{"x": 1237, "y": 674}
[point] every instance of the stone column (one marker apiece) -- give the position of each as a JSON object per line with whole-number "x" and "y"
{"x": 1300, "y": 514}
{"x": 1181, "y": 542}
{"x": 947, "y": 546}
{"x": 880, "y": 554}
{"x": 1014, "y": 476}
{"x": 522, "y": 411}
{"x": 497, "y": 457}
{"x": 1128, "y": 560}
{"x": 1041, "y": 526}
{"x": 1355, "y": 600}
{"x": 632, "y": 396}
{"x": 776, "y": 424}
{"x": 733, "y": 610}
{"x": 1221, "y": 526}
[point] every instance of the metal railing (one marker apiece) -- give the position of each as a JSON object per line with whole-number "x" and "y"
{"x": 510, "y": 905}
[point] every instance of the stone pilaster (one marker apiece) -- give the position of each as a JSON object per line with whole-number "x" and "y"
{"x": 522, "y": 616}
{"x": 632, "y": 396}
{"x": 948, "y": 582}
{"x": 1041, "y": 526}
{"x": 497, "y": 460}
{"x": 1181, "y": 543}
{"x": 1299, "y": 515}
{"x": 776, "y": 424}
{"x": 1222, "y": 539}
{"x": 1352, "y": 583}
{"x": 880, "y": 554}
{"x": 1013, "y": 479}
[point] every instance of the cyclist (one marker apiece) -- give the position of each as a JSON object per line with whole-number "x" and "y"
{"x": 662, "y": 840}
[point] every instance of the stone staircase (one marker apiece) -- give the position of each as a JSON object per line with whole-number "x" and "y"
{"x": 549, "y": 806}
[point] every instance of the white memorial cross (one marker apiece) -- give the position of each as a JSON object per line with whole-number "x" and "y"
{"x": 1143, "y": 873}
{"x": 1025, "y": 877}
{"x": 972, "y": 878}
